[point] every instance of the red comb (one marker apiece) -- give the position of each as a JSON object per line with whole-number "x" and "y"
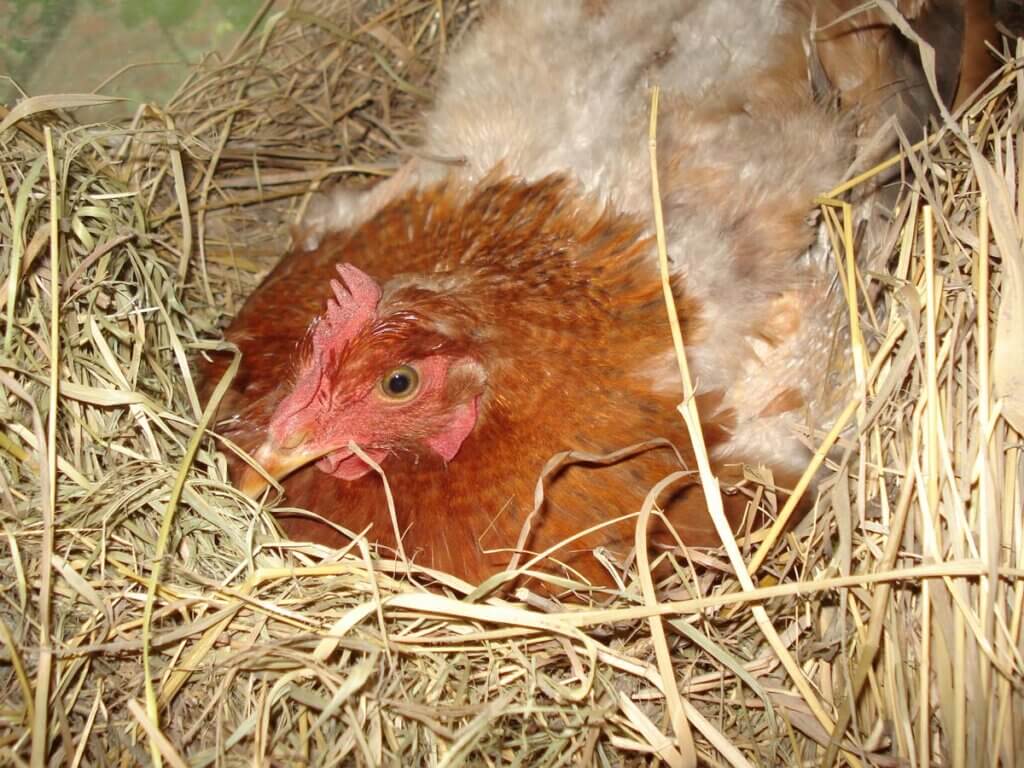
{"x": 353, "y": 306}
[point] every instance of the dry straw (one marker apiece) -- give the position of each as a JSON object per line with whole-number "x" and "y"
{"x": 150, "y": 613}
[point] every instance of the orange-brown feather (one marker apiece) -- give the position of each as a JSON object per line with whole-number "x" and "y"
{"x": 558, "y": 300}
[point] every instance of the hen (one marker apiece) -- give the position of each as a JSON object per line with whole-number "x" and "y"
{"x": 466, "y": 321}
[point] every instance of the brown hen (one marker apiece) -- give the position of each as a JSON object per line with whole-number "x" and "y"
{"x": 463, "y": 323}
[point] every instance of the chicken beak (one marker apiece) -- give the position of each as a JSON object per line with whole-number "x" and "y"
{"x": 277, "y": 461}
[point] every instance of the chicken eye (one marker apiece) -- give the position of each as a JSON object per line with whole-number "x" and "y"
{"x": 400, "y": 383}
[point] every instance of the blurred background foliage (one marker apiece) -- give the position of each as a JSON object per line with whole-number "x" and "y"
{"x": 49, "y": 46}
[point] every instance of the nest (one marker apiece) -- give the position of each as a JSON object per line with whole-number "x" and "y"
{"x": 150, "y": 612}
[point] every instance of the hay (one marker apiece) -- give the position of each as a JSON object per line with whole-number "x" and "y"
{"x": 150, "y": 612}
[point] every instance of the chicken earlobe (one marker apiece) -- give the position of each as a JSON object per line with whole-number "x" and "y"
{"x": 448, "y": 442}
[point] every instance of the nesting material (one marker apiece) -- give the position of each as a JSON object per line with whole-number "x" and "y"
{"x": 151, "y": 612}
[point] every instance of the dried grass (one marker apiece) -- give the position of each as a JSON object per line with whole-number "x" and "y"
{"x": 152, "y": 613}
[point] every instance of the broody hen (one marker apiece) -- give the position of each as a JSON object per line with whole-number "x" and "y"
{"x": 466, "y": 321}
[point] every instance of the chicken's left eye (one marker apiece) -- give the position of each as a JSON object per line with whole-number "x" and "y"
{"x": 400, "y": 383}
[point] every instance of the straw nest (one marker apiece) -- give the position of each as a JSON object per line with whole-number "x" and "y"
{"x": 150, "y": 612}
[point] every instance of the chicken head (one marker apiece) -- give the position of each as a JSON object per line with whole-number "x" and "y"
{"x": 348, "y": 391}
